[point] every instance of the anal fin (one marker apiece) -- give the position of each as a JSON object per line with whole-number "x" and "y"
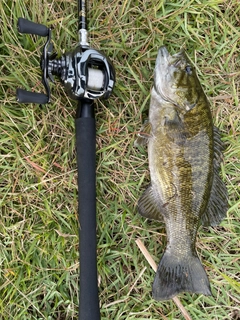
{"x": 149, "y": 204}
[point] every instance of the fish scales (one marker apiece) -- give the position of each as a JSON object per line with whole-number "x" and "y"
{"x": 184, "y": 162}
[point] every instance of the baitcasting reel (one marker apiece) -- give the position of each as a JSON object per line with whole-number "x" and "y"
{"x": 85, "y": 72}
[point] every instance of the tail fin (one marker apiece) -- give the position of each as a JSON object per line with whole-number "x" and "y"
{"x": 175, "y": 275}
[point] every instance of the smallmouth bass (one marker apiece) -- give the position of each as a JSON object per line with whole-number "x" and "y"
{"x": 185, "y": 153}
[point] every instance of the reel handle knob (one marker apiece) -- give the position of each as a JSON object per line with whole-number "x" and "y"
{"x": 26, "y": 26}
{"x": 24, "y": 96}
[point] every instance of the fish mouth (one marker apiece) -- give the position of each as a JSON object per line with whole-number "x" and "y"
{"x": 165, "y": 59}
{"x": 163, "y": 52}
{"x": 163, "y": 56}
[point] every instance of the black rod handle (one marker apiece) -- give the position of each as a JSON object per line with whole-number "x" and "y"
{"x": 27, "y": 26}
{"x": 86, "y": 162}
{"x": 24, "y": 96}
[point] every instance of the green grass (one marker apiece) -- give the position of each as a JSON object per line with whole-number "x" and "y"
{"x": 38, "y": 184}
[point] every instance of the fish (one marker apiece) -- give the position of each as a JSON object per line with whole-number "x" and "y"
{"x": 185, "y": 152}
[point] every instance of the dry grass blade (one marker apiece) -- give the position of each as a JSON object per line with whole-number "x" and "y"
{"x": 152, "y": 263}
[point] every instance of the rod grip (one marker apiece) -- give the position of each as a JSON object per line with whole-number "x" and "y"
{"x": 86, "y": 161}
{"x": 24, "y": 96}
{"x": 27, "y": 26}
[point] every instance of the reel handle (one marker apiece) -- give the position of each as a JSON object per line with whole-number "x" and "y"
{"x": 26, "y": 26}
{"x": 24, "y": 96}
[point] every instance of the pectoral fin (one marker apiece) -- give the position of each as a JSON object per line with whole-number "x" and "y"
{"x": 144, "y": 134}
{"x": 174, "y": 127}
{"x": 149, "y": 204}
{"x": 218, "y": 201}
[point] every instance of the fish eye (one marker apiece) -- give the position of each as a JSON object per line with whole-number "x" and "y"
{"x": 188, "y": 69}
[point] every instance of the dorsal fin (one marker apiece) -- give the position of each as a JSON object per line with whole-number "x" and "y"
{"x": 218, "y": 201}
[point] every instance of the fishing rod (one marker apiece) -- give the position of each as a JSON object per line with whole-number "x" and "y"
{"x": 87, "y": 75}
